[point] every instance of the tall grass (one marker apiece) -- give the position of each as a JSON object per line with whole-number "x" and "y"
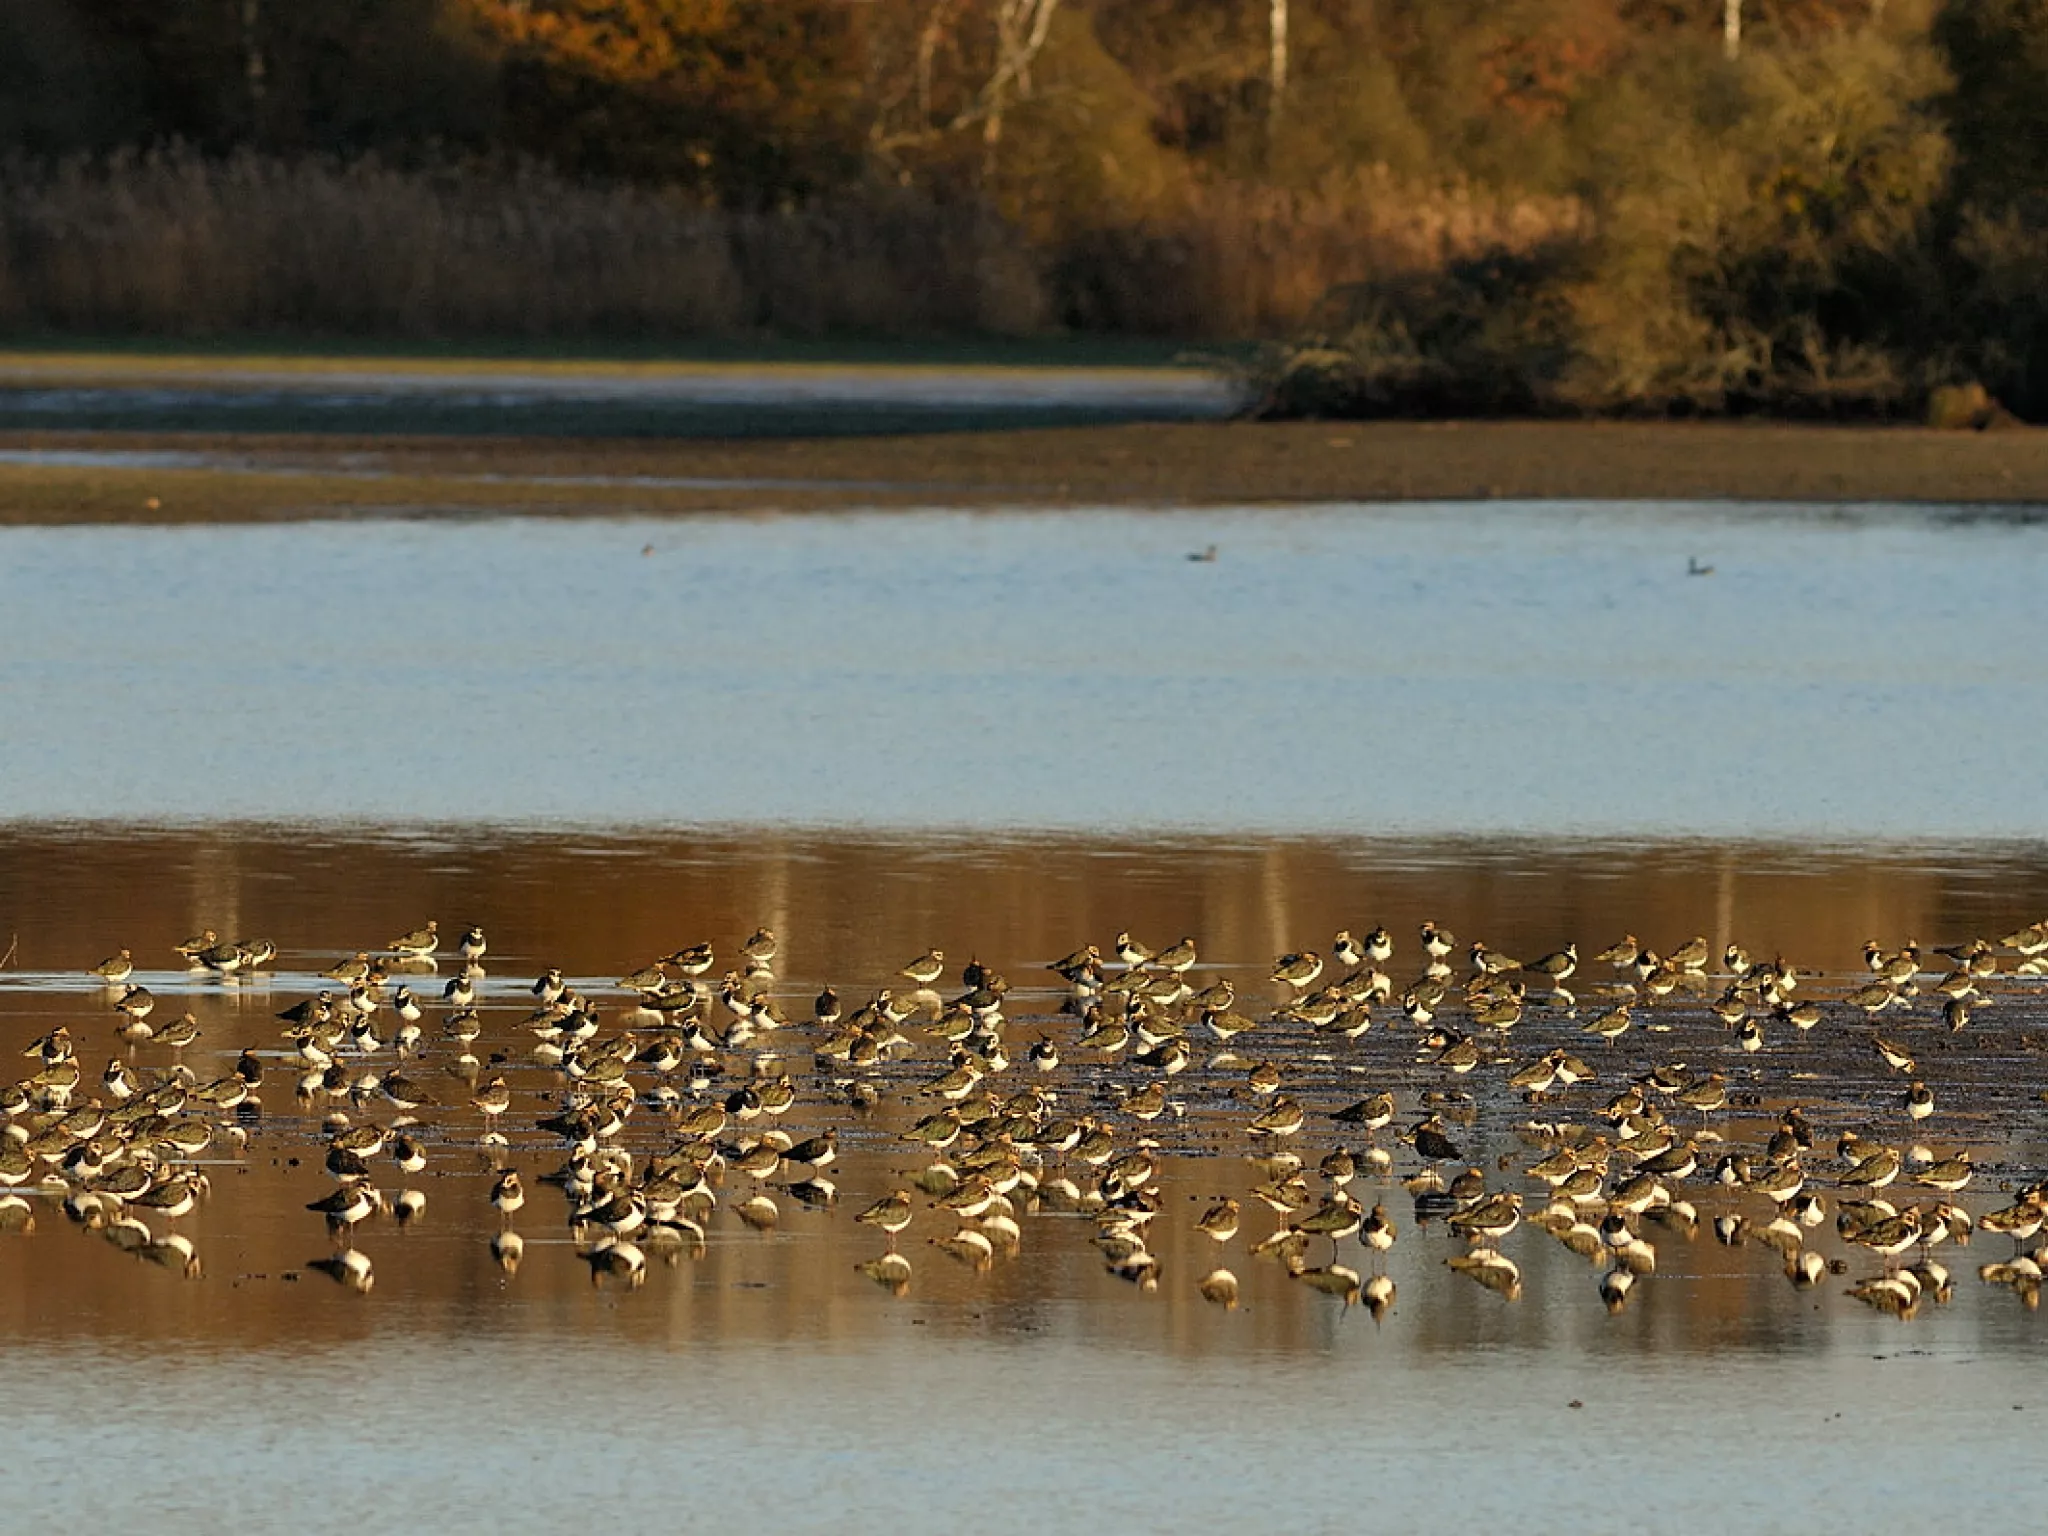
{"x": 177, "y": 244}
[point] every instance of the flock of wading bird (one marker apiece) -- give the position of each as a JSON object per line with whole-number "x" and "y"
{"x": 704, "y": 1074}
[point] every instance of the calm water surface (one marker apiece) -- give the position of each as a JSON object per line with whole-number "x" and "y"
{"x": 1007, "y": 736}
{"x": 1848, "y": 675}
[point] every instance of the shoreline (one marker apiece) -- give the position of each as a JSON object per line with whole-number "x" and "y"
{"x": 56, "y": 477}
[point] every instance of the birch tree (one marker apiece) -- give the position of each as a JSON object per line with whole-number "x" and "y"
{"x": 969, "y": 62}
{"x": 1277, "y": 64}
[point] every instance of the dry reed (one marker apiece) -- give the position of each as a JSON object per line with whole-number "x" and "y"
{"x": 177, "y": 244}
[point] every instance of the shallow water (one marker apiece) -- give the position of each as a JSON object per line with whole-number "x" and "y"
{"x": 242, "y": 461}
{"x": 1845, "y": 675}
{"x": 1007, "y": 735}
{"x": 488, "y": 1432}
{"x": 1194, "y": 391}
{"x": 765, "y": 1378}
{"x": 673, "y": 399}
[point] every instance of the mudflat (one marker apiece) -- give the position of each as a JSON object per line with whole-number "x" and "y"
{"x": 159, "y": 477}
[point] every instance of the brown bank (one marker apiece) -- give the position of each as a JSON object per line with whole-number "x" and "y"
{"x": 139, "y": 478}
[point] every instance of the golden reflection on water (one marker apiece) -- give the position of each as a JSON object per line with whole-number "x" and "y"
{"x": 847, "y": 904}
{"x": 849, "y": 911}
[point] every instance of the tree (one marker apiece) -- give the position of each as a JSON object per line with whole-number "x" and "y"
{"x": 1276, "y": 77}
{"x": 1998, "y": 111}
{"x": 957, "y": 67}
{"x": 347, "y": 77}
{"x": 1767, "y": 249}
{"x": 743, "y": 99}
{"x": 62, "y": 86}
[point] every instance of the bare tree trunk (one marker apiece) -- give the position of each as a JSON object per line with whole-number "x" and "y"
{"x": 1021, "y": 28}
{"x": 252, "y": 53}
{"x": 1277, "y": 77}
{"x": 954, "y": 28}
{"x": 255, "y": 81}
{"x": 928, "y": 40}
{"x": 1731, "y": 29}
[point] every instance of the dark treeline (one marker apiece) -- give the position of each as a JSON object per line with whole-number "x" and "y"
{"x": 1810, "y": 206}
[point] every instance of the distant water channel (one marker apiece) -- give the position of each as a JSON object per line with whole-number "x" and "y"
{"x": 670, "y": 399}
{"x": 1007, "y": 735}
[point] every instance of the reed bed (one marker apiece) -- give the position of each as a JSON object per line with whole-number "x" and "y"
{"x": 178, "y": 244}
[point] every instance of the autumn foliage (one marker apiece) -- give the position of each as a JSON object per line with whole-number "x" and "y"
{"x": 1451, "y": 204}
{"x": 727, "y": 95}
